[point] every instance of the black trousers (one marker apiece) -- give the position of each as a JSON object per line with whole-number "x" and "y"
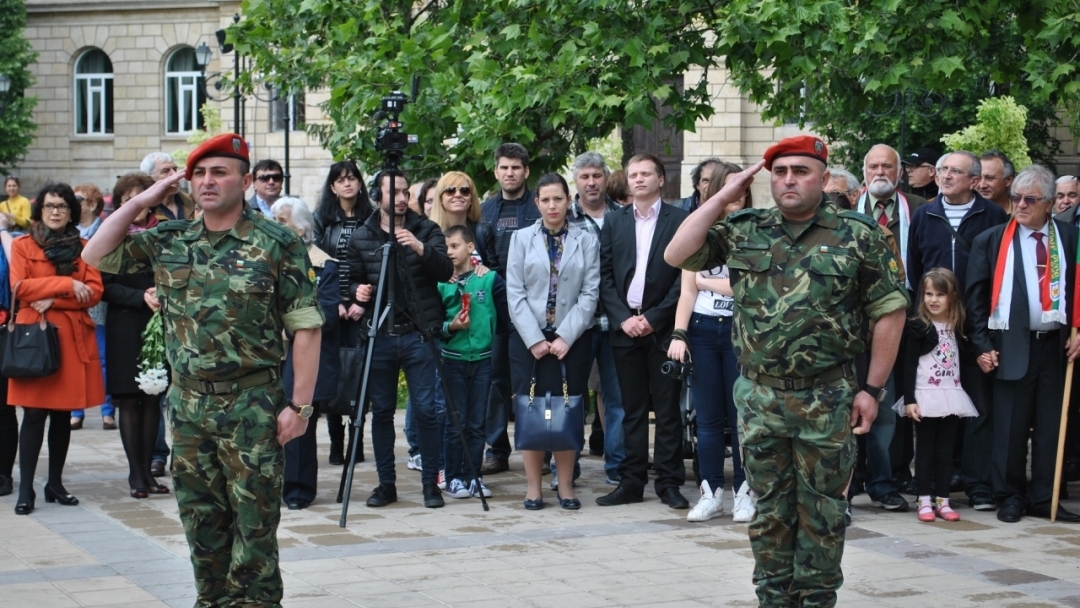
{"x": 978, "y": 432}
{"x": 1032, "y": 402}
{"x": 9, "y": 431}
{"x": 578, "y": 361}
{"x": 302, "y": 465}
{"x": 641, "y": 382}
{"x": 934, "y": 441}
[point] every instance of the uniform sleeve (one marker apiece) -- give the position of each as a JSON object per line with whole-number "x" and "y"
{"x": 298, "y": 302}
{"x": 879, "y": 278}
{"x": 713, "y": 252}
{"x": 133, "y": 254}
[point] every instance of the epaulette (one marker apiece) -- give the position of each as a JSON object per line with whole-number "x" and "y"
{"x": 175, "y": 225}
{"x": 279, "y": 232}
{"x": 743, "y": 214}
{"x": 859, "y": 217}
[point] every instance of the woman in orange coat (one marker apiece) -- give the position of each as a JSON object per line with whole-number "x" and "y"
{"x": 48, "y": 277}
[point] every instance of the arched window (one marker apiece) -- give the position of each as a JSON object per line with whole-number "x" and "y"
{"x": 93, "y": 94}
{"x": 184, "y": 93}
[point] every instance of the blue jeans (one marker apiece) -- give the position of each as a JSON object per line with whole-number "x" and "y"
{"x": 613, "y": 409}
{"x": 391, "y": 355}
{"x": 107, "y": 408}
{"x": 470, "y": 387}
{"x": 715, "y": 371}
{"x": 879, "y": 476}
{"x": 411, "y": 436}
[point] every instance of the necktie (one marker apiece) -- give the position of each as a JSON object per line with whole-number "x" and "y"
{"x": 883, "y": 218}
{"x": 1040, "y": 266}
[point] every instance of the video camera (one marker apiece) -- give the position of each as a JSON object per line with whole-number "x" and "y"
{"x": 390, "y": 140}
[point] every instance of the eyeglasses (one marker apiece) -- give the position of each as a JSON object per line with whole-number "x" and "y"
{"x": 463, "y": 190}
{"x": 270, "y": 177}
{"x": 1027, "y": 200}
{"x": 47, "y": 208}
{"x": 954, "y": 171}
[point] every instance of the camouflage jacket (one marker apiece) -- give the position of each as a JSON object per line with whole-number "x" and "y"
{"x": 803, "y": 292}
{"x": 224, "y": 304}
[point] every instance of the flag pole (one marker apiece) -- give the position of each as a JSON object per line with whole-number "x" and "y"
{"x": 1061, "y": 434}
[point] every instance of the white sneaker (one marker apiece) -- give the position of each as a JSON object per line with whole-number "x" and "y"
{"x": 744, "y": 509}
{"x": 483, "y": 488}
{"x": 414, "y": 463}
{"x": 711, "y": 504}
{"x": 442, "y": 480}
{"x": 457, "y": 489}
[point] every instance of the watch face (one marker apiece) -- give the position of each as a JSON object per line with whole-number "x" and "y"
{"x": 306, "y": 411}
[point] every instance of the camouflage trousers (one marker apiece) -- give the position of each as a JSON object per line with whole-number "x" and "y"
{"x": 798, "y": 452}
{"x": 227, "y": 469}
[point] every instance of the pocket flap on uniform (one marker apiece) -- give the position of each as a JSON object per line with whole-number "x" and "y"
{"x": 750, "y": 261}
{"x": 834, "y": 263}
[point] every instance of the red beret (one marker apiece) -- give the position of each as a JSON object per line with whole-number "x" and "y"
{"x": 226, "y": 144}
{"x": 800, "y": 145}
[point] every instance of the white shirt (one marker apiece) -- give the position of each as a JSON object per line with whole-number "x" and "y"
{"x": 710, "y": 303}
{"x": 955, "y": 213}
{"x": 1031, "y": 275}
{"x": 644, "y": 229}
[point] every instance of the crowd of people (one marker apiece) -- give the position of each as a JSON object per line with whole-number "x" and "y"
{"x": 926, "y": 306}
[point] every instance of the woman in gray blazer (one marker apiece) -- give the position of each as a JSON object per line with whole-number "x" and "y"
{"x": 552, "y": 288}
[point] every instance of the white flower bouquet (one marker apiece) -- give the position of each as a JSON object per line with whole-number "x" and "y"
{"x": 152, "y": 378}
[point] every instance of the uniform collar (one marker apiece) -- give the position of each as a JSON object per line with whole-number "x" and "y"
{"x": 242, "y": 230}
{"x": 825, "y": 216}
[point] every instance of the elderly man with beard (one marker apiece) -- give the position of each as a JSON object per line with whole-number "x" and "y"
{"x": 891, "y": 209}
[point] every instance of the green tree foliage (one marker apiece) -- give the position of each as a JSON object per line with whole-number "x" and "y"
{"x": 550, "y": 75}
{"x": 16, "y": 119}
{"x": 852, "y": 58}
{"x": 1000, "y": 125}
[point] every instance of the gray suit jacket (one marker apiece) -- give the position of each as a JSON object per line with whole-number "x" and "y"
{"x": 528, "y": 272}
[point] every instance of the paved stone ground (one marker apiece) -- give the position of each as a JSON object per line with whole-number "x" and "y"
{"x": 115, "y": 550}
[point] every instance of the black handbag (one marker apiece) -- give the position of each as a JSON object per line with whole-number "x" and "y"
{"x": 549, "y": 423}
{"x": 349, "y": 377}
{"x": 30, "y": 351}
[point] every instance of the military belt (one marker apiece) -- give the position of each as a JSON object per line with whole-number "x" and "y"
{"x": 224, "y": 387}
{"x": 845, "y": 370}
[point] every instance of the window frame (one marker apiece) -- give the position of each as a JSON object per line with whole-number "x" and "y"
{"x": 94, "y": 92}
{"x": 190, "y": 89}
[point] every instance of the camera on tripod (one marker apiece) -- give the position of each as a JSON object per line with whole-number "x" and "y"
{"x": 676, "y": 370}
{"x": 390, "y": 140}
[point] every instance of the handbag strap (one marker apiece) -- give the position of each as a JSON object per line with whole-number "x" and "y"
{"x": 565, "y": 386}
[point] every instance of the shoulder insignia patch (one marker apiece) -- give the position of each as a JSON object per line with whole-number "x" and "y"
{"x": 893, "y": 267}
{"x": 276, "y": 231}
{"x": 859, "y": 217}
{"x": 311, "y": 276}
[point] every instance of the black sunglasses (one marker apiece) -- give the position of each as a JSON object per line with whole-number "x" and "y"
{"x": 464, "y": 190}
{"x": 270, "y": 177}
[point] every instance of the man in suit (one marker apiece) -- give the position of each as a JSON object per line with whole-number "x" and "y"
{"x": 1019, "y": 287}
{"x": 639, "y": 292}
{"x": 269, "y": 177}
{"x": 891, "y": 209}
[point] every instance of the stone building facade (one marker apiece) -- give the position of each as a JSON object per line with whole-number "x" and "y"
{"x": 116, "y": 80}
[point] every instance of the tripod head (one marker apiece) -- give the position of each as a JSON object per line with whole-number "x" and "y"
{"x": 390, "y": 140}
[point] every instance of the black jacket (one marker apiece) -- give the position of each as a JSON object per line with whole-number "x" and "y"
{"x": 919, "y": 339}
{"x": 527, "y": 214}
{"x": 485, "y": 245}
{"x": 1013, "y": 344}
{"x": 424, "y": 272}
{"x": 326, "y": 382}
{"x": 328, "y": 233}
{"x": 931, "y": 243}
{"x": 125, "y": 319}
{"x": 618, "y": 261}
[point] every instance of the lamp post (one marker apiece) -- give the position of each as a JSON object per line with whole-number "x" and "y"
{"x": 928, "y": 105}
{"x": 203, "y": 55}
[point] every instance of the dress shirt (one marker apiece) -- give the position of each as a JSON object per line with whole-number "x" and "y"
{"x": 1031, "y": 275}
{"x": 644, "y": 228}
{"x": 264, "y": 207}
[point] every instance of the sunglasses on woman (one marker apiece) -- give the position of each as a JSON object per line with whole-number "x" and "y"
{"x": 452, "y": 190}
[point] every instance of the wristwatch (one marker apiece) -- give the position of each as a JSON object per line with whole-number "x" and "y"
{"x": 304, "y": 411}
{"x": 876, "y": 392}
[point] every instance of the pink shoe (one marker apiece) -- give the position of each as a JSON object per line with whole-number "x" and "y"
{"x": 926, "y": 513}
{"x": 944, "y": 511}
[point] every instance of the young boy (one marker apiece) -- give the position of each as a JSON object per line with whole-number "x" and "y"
{"x": 466, "y": 348}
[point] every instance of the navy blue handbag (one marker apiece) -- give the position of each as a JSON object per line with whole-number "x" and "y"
{"x": 549, "y": 423}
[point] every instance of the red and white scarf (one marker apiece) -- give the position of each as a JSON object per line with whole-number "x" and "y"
{"x": 1051, "y": 288}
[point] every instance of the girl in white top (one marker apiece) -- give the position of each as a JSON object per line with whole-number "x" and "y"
{"x": 933, "y": 396}
{"x": 703, "y": 322}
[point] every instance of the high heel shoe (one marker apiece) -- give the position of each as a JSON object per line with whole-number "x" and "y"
{"x": 26, "y": 508}
{"x": 64, "y": 499}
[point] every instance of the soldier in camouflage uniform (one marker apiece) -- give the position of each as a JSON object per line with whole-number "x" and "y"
{"x": 806, "y": 276}
{"x": 229, "y": 283}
